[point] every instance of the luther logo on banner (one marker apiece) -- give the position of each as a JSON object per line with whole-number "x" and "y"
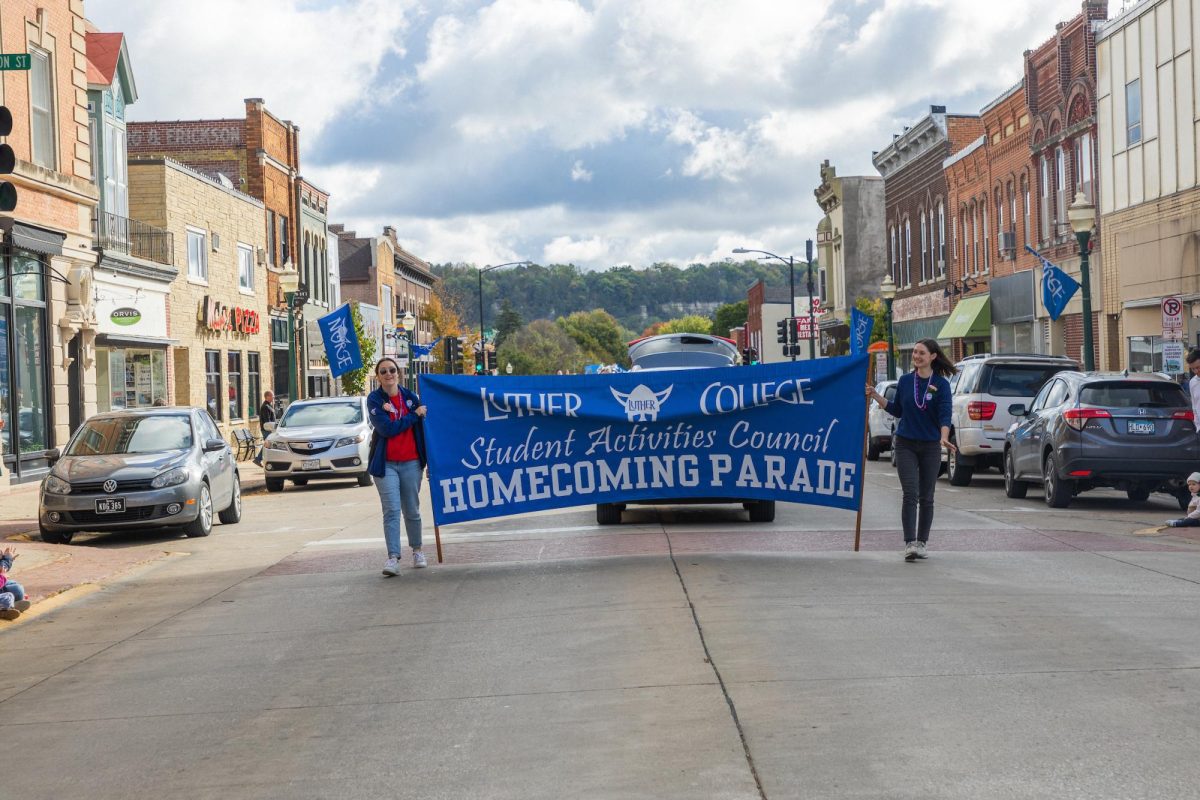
{"x": 341, "y": 341}
{"x": 861, "y": 326}
{"x": 789, "y": 431}
{"x": 1057, "y": 286}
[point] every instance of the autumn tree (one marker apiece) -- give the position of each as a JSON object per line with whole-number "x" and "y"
{"x": 598, "y": 335}
{"x": 540, "y": 348}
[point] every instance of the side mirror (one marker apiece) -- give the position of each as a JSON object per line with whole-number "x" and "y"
{"x": 268, "y": 426}
{"x": 214, "y": 445}
{"x": 53, "y": 456}
{"x": 1018, "y": 410}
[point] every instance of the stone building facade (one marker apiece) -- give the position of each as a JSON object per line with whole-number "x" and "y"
{"x": 851, "y": 243}
{"x": 218, "y": 305}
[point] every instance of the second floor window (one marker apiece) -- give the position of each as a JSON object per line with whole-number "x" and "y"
{"x": 245, "y": 266}
{"x": 197, "y": 254}
{"x": 941, "y": 239}
{"x": 41, "y": 110}
{"x": 924, "y": 248}
{"x": 1133, "y": 112}
{"x": 1083, "y": 165}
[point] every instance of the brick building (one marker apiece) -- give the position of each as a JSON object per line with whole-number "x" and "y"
{"x": 990, "y": 278}
{"x": 765, "y": 307}
{"x": 1060, "y": 93}
{"x": 259, "y": 155}
{"x": 47, "y": 319}
{"x": 218, "y": 303}
{"x": 917, "y": 224}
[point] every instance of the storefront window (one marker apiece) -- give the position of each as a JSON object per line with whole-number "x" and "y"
{"x": 1145, "y": 353}
{"x": 130, "y": 378}
{"x": 253, "y": 382}
{"x": 27, "y": 283}
{"x": 1016, "y": 337}
{"x": 4, "y": 378}
{"x": 212, "y": 383}
{"x": 235, "y": 385}
{"x": 30, "y": 394}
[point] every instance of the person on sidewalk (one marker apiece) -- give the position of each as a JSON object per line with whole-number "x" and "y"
{"x": 397, "y": 461}
{"x": 1193, "y": 384}
{"x": 1192, "y": 520}
{"x": 12, "y": 594}
{"x": 922, "y": 404}
{"x": 266, "y": 413}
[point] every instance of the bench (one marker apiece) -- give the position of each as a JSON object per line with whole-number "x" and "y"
{"x": 247, "y": 443}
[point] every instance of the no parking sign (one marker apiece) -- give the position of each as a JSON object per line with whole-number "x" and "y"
{"x": 1172, "y": 313}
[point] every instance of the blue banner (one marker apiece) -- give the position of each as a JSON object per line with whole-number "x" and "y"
{"x": 861, "y": 326}
{"x": 1057, "y": 286}
{"x": 341, "y": 341}
{"x": 503, "y": 445}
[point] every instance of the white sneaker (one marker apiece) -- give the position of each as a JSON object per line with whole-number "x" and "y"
{"x": 910, "y": 551}
{"x": 921, "y": 551}
{"x": 419, "y": 561}
{"x": 22, "y": 605}
{"x": 392, "y": 567}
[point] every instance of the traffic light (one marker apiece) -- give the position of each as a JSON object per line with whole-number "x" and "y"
{"x": 489, "y": 361}
{"x": 782, "y": 328}
{"x": 8, "y": 162}
{"x": 479, "y": 363}
{"x": 753, "y": 356}
{"x": 453, "y": 353}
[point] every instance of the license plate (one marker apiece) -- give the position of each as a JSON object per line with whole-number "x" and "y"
{"x": 314, "y": 463}
{"x": 1140, "y": 427}
{"x": 110, "y": 505}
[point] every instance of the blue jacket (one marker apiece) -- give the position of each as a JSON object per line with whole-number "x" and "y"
{"x": 383, "y": 427}
{"x": 916, "y": 423}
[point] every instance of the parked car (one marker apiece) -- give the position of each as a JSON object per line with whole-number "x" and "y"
{"x": 881, "y": 424}
{"x": 684, "y": 351}
{"x": 1085, "y": 430}
{"x": 320, "y": 439}
{"x": 985, "y": 386}
{"x": 141, "y": 468}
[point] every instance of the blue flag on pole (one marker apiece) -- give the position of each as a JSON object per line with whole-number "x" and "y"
{"x": 509, "y": 445}
{"x": 1057, "y": 286}
{"x": 341, "y": 341}
{"x": 860, "y": 331}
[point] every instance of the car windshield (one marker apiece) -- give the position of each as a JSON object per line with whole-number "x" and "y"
{"x": 108, "y": 436}
{"x": 302, "y": 416}
{"x": 1129, "y": 394}
{"x": 1019, "y": 380}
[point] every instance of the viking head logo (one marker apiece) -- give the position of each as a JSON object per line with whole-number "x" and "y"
{"x": 642, "y": 404}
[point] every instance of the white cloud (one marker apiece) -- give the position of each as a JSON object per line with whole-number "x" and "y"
{"x": 578, "y": 173}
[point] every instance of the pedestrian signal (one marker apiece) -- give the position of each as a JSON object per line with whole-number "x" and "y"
{"x": 8, "y": 163}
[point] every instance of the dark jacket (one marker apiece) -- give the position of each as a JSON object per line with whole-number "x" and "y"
{"x": 266, "y": 413}
{"x": 383, "y": 427}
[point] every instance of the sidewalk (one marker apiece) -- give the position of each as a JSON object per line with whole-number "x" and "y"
{"x": 47, "y": 570}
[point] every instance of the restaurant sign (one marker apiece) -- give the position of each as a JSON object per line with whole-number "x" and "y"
{"x": 217, "y": 316}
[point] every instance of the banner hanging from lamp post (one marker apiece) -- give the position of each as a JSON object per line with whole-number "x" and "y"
{"x": 341, "y": 341}
{"x": 1057, "y": 287}
{"x": 861, "y": 326}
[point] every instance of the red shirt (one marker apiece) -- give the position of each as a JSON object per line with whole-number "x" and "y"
{"x": 404, "y": 446}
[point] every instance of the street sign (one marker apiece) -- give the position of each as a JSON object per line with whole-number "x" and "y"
{"x": 15, "y": 61}
{"x": 300, "y": 297}
{"x": 806, "y": 328}
{"x": 881, "y": 366}
{"x": 1172, "y": 353}
{"x": 1172, "y": 313}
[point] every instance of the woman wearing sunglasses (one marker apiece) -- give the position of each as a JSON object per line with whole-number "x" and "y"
{"x": 397, "y": 461}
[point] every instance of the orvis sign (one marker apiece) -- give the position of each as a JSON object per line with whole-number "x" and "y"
{"x": 791, "y": 431}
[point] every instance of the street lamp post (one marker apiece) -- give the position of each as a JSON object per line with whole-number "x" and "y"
{"x": 791, "y": 262}
{"x": 289, "y": 282}
{"x": 812, "y": 328}
{"x": 409, "y": 322}
{"x": 481, "y": 271}
{"x": 1082, "y": 215}
{"x": 887, "y": 290}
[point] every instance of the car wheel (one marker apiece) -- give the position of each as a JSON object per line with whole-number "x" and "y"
{"x": 959, "y": 473}
{"x": 55, "y": 537}
{"x": 202, "y": 524}
{"x": 300, "y": 481}
{"x": 762, "y": 511}
{"x": 872, "y": 451}
{"x": 1058, "y": 491}
{"x": 364, "y": 479}
{"x": 274, "y": 484}
{"x": 1138, "y": 494}
{"x": 233, "y": 514}
{"x": 1012, "y": 487}
{"x": 608, "y": 514}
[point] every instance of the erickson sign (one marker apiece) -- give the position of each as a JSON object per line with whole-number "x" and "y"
{"x": 216, "y": 316}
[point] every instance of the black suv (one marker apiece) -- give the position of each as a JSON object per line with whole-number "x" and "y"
{"x": 1086, "y": 430}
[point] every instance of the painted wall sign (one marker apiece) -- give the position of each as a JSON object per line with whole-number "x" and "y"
{"x": 125, "y": 316}
{"x": 217, "y": 316}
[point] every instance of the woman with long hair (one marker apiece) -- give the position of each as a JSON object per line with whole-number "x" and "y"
{"x": 922, "y": 404}
{"x": 397, "y": 461}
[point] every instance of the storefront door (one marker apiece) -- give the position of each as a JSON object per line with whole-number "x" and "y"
{"x": 24, "y": 379}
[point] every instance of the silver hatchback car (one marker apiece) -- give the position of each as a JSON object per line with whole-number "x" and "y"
{"x": 319, "y": 439}
{"x": 141, "y": 468}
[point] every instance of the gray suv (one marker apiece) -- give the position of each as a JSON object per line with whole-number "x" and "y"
{"x": 1086, "y": 430}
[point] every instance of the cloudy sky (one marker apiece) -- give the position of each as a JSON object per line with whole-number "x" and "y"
{"x": 596, "y": 132}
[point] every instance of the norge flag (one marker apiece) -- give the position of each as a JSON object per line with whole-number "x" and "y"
{"x": 1057, "y": 286}
{"x": 505, "y": 445}
{"x": 341, "y": 341}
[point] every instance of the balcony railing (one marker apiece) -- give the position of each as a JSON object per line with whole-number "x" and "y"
{"x": 133, "y": 238}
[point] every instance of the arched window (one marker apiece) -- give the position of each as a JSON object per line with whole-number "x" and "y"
{"x": 1083, "y": 164}
{"x": 941, "y": 238}
{"x": 1060, "y": 189}
{"x": 924, "y": 246}
{"x": 908, "y": 252}
{"x": 974, "y": 240}
{"x": 894, "y": 252}
{"x": 1027, "y": 208}
{"x": 987, "y": 251}
{"x": 1044, "y": 199}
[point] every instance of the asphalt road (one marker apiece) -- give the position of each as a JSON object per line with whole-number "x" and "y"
{"x": 686, "y": 654}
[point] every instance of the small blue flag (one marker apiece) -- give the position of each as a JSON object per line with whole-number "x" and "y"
{"x": 1057, "y": 286}
{"x": 860, "y": 331}
{"x": 341, "y": 341}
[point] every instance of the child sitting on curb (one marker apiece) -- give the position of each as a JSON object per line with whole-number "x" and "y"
{"x": 1192, "y": 520}
{"x": 12, "y": 594}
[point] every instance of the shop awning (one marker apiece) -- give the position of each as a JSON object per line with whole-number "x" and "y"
{"x": 119, "y": 340}
{"x": 971, "y": 318}
{"x": 32, "y": 238}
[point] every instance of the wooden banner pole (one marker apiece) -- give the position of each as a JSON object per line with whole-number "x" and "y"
{"x": 437, "y": 529}
{"x": 862, "y": 463}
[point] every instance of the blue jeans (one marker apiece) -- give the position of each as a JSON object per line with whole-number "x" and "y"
{"x": 400, "y": 493}
{"x": 18, "y": 591}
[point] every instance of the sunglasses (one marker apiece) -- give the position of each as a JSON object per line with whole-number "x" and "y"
{"x": 389, "y": 371}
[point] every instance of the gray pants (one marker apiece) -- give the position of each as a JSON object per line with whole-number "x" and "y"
{"x": 918, "y": 463}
